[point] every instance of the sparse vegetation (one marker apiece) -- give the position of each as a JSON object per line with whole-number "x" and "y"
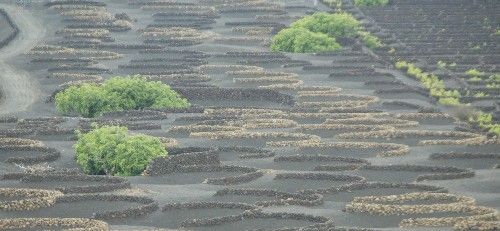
{"x": 447, "y": 97}
{"x": 119, "y": 93}
{"x": 485, "y": 121}
{"x": 111, "y": 150}
{"x": 371, "y": 2}
{"x": 337, "y": 4}
{"x": 443, "y": 65}
{"x": 432, "y": 83}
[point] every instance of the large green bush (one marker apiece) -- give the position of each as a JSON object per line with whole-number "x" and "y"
{"x": 319, "y": 32}
{"x": 111, "y": 150}
{"x": 371, "y": 2}
{"x": 88, "y": 100}
{"x": 336, "y": 25}
{"x": 300, "y": 40}
{"x": 119, "y": 93}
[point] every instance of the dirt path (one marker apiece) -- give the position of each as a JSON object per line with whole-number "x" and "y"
{"x": 19, "y": 89}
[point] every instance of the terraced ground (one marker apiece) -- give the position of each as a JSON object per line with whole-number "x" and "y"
{"x": 273, "y": 141}
{"x": 449, "y": 38}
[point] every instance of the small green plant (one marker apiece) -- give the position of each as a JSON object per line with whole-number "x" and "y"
{"x": 476, "y": 48}
{"x": 474, "y": 73}
{"x": 475, "y": 79}
{"x": 115, "y": 94}
{"x": 494, "y": 128}
{"x": 111, "y": 150}
{"x": 300, "y": 40}
{"x": 369, "y": 40}
{"x": 493, "y": 85}
{"x": 391, "y": 51}
{"x": 371, "y": 2}
{"x": 401, "y": 65}
{"x": 443, "y": 65}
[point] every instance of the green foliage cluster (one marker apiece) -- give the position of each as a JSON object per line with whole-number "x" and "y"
{"x": 300, "y": 40}
{"x": 474, "y": 73}
{"x": 431, "y": 82}
{"x": 443, "y": 65}
{"x": 485, "y": 121}
{"x": 371, "y": 2}
{"x": 111, "y": 150}
{"x": 480, "y": 94}
{"x": 115, "y": 94}
{"x": 492, "y": 81}
{"x": 319, "y": 32}
{"x": 336, "y": 25}
{"x": 369, "y": 40}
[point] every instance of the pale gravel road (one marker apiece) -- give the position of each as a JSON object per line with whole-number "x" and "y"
{"x": 19, "y": 88}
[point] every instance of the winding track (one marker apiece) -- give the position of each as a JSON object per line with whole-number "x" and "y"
{"x": 19, "y": 89}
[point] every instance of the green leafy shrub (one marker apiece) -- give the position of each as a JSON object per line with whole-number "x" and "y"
{"x": 320, "y": 32}
{"x": 485, "y": 121}
{"x": 137, "y": 93}
{"x": 474, "y": 73}
{"x": 300, "y": 40}
{"x": 87, "y": 100}
{"x": 371, "y": 2}
{"x": 494, "y": 128}
{"x": 111, "y": 150}
{"x": 133, "y": 155}
{"x": 449, "y": 101}
{"x": 369, "y": 40}
{"x": 336, "y": 25}
{"x": 401, "y": 65}
{"x": 119, "y": 93}
{"x": 441, "y": 64}
{"x": 475, "y": 79}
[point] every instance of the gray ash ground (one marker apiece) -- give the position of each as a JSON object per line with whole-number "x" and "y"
{"x": 209, "y": 68}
